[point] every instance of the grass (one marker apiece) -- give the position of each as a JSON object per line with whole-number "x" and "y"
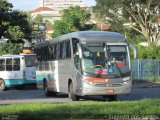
{"x": 82, "y": 110}
{"x": 136, "y": 81}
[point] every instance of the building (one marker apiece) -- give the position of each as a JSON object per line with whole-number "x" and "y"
{"x": 48, "y": 14}
{"x": 60, "y": 4}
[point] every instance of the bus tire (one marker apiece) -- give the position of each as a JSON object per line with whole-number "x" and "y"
{"x": 72, "y": 95}
{"x": 2, "y": 85}
{"x": 112, "y": 98}
{"x": 48, "y": 93}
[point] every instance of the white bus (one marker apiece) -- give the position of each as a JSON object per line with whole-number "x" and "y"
{"x": 17, "y": 71}
{"x": 85, "y": 63}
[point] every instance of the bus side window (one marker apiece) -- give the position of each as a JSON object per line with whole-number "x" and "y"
{"x": 54, "y": 51}
{"x": 45, "y": 54}
{"x": 38, "y": 53}
{"x": 41, "y": 52}
{"x": 68, "y": 49}
{"x": 16, "y": 64}
{"x": 50, "y": 48}
{"x": 61, "y": 50}
{"x": 76, "y": 57}
{"x": 2, "y": 64}
{"x": 74, "y": 44}
{"x": 46, "y": 66}
{"x": 9, "y": 64}
{"x": 58, "y": 51}
{"x": 64, "y": 50}
{"x": 40, "y": 66}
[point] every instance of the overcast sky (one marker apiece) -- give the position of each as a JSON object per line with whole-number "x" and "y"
{"x": 33, "y": 4}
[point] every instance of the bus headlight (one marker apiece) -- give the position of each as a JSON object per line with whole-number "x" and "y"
{"x": 88, "y": 82}
{"x": 126, "y": 79}
{"x": 95, "y": 80}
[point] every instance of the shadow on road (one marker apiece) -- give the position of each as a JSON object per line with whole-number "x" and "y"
{"x": 38, "y": 94}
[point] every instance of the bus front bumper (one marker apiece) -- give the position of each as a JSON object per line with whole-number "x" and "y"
{"x": 108, "y": 89}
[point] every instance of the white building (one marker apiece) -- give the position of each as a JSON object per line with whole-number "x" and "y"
{"x": 47, "y": 13}
{"x": 60, "y": 4}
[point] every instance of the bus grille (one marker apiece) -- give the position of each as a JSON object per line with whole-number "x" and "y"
{"x": 109, "y": 85}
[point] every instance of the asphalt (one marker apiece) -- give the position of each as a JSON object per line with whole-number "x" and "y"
{"x": 146, "y": 85}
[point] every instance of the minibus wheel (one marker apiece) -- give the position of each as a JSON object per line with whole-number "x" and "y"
{"x": 2, "y": 85}
{"x": 72, "y": 95}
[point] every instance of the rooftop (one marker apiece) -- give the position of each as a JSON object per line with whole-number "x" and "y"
{"x": 42, "y": 9}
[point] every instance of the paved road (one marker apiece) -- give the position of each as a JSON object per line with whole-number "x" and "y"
{"x": 27, "y": 96}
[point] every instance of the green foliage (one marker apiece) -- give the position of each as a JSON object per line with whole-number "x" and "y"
{"x": 133, "y": 36}
{"x": 73, "y": 19}
{"x": 74, "y": 16}
{"x": 60, "y": 27}
{"x": 14, "y": 25}
{"x": 11, "y": 48}
{"x": 21, "y": 24}
{"x": 117, "y": 25}
{"x": 151, "y": 52}
{"x": 15, "y": 34}
{"x": 89, "y": 27}
{"x": 2, "y": 52}
{"x": 108, "y": 8}
{"x": 84, "y": 110}
{"x": 38, "y": 19}
{"x": 139, "y": 14}
{"x": 5, "y": 8}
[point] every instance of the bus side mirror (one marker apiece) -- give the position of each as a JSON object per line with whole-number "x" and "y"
{"x": 80, "y": 51}
{"x": 135, "y": 50}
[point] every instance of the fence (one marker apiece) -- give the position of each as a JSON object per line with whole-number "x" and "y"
{"x": 145, "y": 69}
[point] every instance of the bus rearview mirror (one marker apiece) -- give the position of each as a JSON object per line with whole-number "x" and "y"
{"x": 134, "y": 50}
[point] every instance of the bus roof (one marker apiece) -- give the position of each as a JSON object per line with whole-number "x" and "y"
{"x": 89, "y": 36}
{"x": 101, "y": 36}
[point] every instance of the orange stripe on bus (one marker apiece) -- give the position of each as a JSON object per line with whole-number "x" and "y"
{"x": 96, "y": 79}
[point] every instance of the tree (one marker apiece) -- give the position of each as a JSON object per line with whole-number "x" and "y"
{"x": 144, "y": 14}
{"x": 73, "y": 19}
{"x": 74, "y": 16}
{"x": 19, "y": 27}
{"x": 11, "y": 48}
{"x": 14, "y": 25}
{"x": 60, "y": 27}
{"x": 108, "y": 8}
{"x": 5, "y": 8}
{"x": 141, "y": 15}
{"x": 38, "y": 19}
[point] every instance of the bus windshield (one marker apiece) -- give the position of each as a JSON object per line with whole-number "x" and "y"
{"x": 102, "y": 59}
{"x": 30, "y": 60}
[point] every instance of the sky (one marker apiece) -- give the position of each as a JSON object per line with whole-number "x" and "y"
{"x": 33, "y": 4}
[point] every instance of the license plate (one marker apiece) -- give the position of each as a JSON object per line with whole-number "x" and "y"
{"x": 109, "y": 90}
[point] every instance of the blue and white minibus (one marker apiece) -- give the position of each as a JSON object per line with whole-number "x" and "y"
{"x": 17, "y": 71}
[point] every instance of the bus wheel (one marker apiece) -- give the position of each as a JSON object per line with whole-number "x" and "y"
{"x": 112, "y": 98}
{"x": 72, "y": 95}
{"x": 48, "y": 93}
{"x": 2, "y": 85}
